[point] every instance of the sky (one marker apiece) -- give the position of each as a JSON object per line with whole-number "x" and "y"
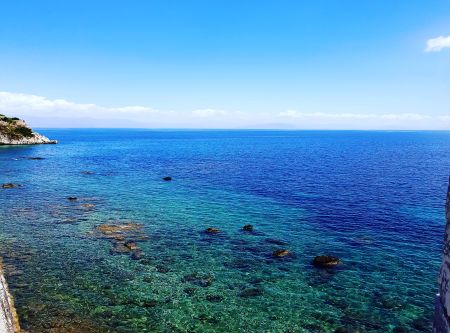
{"x": 299, "y": 64}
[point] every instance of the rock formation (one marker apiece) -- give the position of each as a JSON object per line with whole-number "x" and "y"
{"x": 9, "y": 322}
{"x": 14, "y": 131}
{"x": 442, "y": 306}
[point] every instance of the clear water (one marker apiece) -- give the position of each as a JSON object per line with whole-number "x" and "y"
{"x": 375, "y": 199}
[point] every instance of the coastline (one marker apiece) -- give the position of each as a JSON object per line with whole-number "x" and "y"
{"x": 9, "y": 321}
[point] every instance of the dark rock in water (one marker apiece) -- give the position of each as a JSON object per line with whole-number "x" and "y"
{"x": 190, "y": 291}
{"x": 199, "y": 279}
{"x": 72, "y": 198}
{"x": 214, "y": 298}
{"x": 251, "y": 292}
{"x": 10, "y": 185}
{"x": 212, "y": 231}
{"x": 247, "y": 227}
{"x": 168, "y": 178}
{"x": 326, "y": 261}
{"x": 137, "y": 255}
{"x": 113, "y": 230}
{"x": 281, "y": 253}
{"x": 162, "y": 269}
{"x": 131, "y": 245}
{"x": 275, "y": 241}
{"x": 119, "y": 248}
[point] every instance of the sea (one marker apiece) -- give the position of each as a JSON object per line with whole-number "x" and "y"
{"x": 374, "y": 199}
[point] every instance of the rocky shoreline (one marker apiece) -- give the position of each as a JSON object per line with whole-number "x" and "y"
{"x": 14, "y": 131}
{"x": 9, "y": 322}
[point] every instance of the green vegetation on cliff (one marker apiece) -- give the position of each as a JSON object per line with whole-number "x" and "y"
{"x": 14, "y": 128}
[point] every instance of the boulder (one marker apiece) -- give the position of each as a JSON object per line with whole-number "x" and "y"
{"x": 247, "y": 227}
{"x": 10, "y": 185}
{"x": 325, "y": 261}
{"x": 212, "y": 231}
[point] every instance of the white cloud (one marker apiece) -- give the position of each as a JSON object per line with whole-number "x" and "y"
{"x": 11, "y": 102}
{"x": 208, "y": 113}
{"x": 437, "y": 44}
{"x": 40, "y": 111}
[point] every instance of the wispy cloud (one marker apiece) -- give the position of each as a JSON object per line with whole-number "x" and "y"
{"x": 44, "y": 112}
{"x": 438, "y": 44}
{"x": 356, "y": 116}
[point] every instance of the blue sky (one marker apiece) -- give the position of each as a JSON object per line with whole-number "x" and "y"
{"x": 226, "y": 64}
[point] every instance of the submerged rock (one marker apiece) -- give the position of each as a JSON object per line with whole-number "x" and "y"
{"x": 326, "y": 261}
{"x": 87, "y": 206}
{"x": 199, "y": 279}
{"x": 124, "y": 238}
{"x": 281, "y": 253}
{"x": 247, "y": 227}
{"x": 162, "y": 269}
{"x": 251, "y": 292}
{"x": 212, "y": 231}
{"x": 119, "y": 248}
{"x": 137, "y": 254}
{"x": 131, "y": 245}
{"x": 275, "y": 241}
{"x": 214, "y": 298}
{"x": 112, "y": 230}
{"x": 10, "y": 185}
{"x": 168, "y": 178}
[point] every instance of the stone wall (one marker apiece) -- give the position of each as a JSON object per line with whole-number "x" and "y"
{"x": 442, "y": 311}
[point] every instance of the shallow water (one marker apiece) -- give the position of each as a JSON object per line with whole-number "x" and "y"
{"x": 374, "y": 199}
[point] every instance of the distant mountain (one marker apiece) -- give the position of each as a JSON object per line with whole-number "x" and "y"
{"x": 14, "y": 131}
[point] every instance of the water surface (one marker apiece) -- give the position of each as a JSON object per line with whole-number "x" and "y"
{"x": 374, "y": 199}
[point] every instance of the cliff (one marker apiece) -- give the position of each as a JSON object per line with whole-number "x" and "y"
{"x": 14, "y": 131}
{"x": 442, "y": 309}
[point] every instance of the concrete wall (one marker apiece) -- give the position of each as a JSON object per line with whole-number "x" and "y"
{"x": 442, "y": 312}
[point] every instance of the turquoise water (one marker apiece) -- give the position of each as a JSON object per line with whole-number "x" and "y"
{"x": 374, "y": 199}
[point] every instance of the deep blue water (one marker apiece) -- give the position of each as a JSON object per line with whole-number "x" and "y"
{"x": 374, "y": 199}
